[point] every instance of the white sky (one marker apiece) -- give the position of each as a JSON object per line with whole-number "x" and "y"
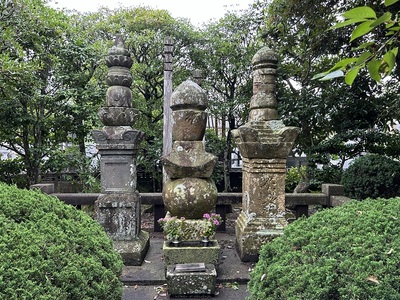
{"x": 197, "y": 11}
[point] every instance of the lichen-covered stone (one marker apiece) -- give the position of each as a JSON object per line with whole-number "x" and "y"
{"x": 191, "y": 283}
{"x": 189, "y": 159}
{"x": 118, "y": 207}
{"x": 189, "y": 95}
{"x": 190, "y": 197}
{"x": 264, "y": 143}
{"x": 191, "y": 254}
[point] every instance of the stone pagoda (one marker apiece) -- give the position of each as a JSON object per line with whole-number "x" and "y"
{"x": 190, "y": 193}
{"x": 264, "y": 143}
{"x": 118, "y": 206}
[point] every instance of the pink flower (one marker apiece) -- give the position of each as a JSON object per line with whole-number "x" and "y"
{"x": 207, "y": 216}
{"x": 216, "y": 222}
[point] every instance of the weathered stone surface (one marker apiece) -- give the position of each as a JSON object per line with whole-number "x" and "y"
{"x": 119, "y": 76}
{"x": 190, "y": 197}
{"x": 118, "y": 207}
{"x": 119, "y": 214}
{"x": 117, "y": 116}
{"x": 133, "y": 251}
{"x": 189, "y": 159}
{"x": 189, "y": 125}
{"x": 189, "y": 95}
{"x": 191, "y": 283}
{"x": 189, "y": 192}
{"x": 193, "y": 254}
{"x": 264, "y": 143}
{"x": 119, "y": 96}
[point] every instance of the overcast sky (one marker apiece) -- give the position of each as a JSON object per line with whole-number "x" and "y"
{"x": 197, "y": 11}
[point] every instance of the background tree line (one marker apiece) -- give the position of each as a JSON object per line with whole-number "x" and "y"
{"x": 52, "y": 74}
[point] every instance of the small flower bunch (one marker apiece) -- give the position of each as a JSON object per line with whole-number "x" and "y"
{"x": 172, "y": 227}
{"x": 212, "y": 222}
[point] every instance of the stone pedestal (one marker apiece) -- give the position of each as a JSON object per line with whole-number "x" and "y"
{"x": 191, "y": 252}
{"x": 118, "y": 206}
{"x": 191, "y": 283}
{"x": 264, "y": 143}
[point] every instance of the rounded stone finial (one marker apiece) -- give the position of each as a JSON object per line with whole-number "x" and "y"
{"x": 189, "y": 95}
{"x": 188, "y": 103}
{"x": 265, "y": 58}
{"x": 263, "y": 104}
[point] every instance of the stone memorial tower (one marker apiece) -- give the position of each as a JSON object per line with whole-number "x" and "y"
{"x": 189, "y": 192}
{"x": 264, "y": 143}
{"x": 118, "y": 206}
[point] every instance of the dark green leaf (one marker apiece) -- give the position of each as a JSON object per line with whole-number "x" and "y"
{"x": 363, "y": 57}
{"x": 363, "y": 46}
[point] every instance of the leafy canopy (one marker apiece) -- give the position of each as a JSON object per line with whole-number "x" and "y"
{"x": 378, "y": 56}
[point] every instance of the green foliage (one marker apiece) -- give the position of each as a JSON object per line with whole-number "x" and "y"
{"x": 372, "y": 176}
{"x": 335, "y": 118}
{"x": 71, "y": 160}
{"x": 47, "y": 92}
{"x": 377, "y": 56}
{"x": 216, "y": 145}
{"x": 293, "y": 177}
{"x": 49, "y": 250}
{"x": 349, "y": 252}
{"x": 11, "y": 172}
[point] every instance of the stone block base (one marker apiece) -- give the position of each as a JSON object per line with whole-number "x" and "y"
{"x": 133, "y": 251}
{"x": 252, "y": 234}
{"x": 186, "y": 253}
{"x": 191, "y": 283}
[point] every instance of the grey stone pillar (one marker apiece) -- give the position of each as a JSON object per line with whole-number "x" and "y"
{"x": 118, "y": 206}
{"x": 264, "y": 143}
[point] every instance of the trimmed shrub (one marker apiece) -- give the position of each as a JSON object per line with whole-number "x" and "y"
{"x": 50, "y": 250}
{"x": 348, "y": 252}
{"x": 372, "y": 176}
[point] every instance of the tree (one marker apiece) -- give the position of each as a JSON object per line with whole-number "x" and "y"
{"x": 41, "y": 81}
{"x": 336, "y": 120}
{"x": 227, "y": 47}
{"x": 378, "y": 54}
{"x": 144, "y": 31}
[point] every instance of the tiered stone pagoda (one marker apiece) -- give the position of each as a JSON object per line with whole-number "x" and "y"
{"x": 118, "y": 206}
{"x": 190, "y": 193}
{"x": 264, "y": 143}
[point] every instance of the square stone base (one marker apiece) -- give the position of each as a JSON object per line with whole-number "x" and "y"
{"x": 191, "y": 283}
{"x": 252, "y": 234}
{"x": 133, "y": 251}
{"x": 187, "y": 254}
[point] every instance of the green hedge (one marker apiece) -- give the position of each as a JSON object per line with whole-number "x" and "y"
{"x": 372, "y": 176}
{"x": 348, "y": 252}
{"x": 49, "y": 250}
